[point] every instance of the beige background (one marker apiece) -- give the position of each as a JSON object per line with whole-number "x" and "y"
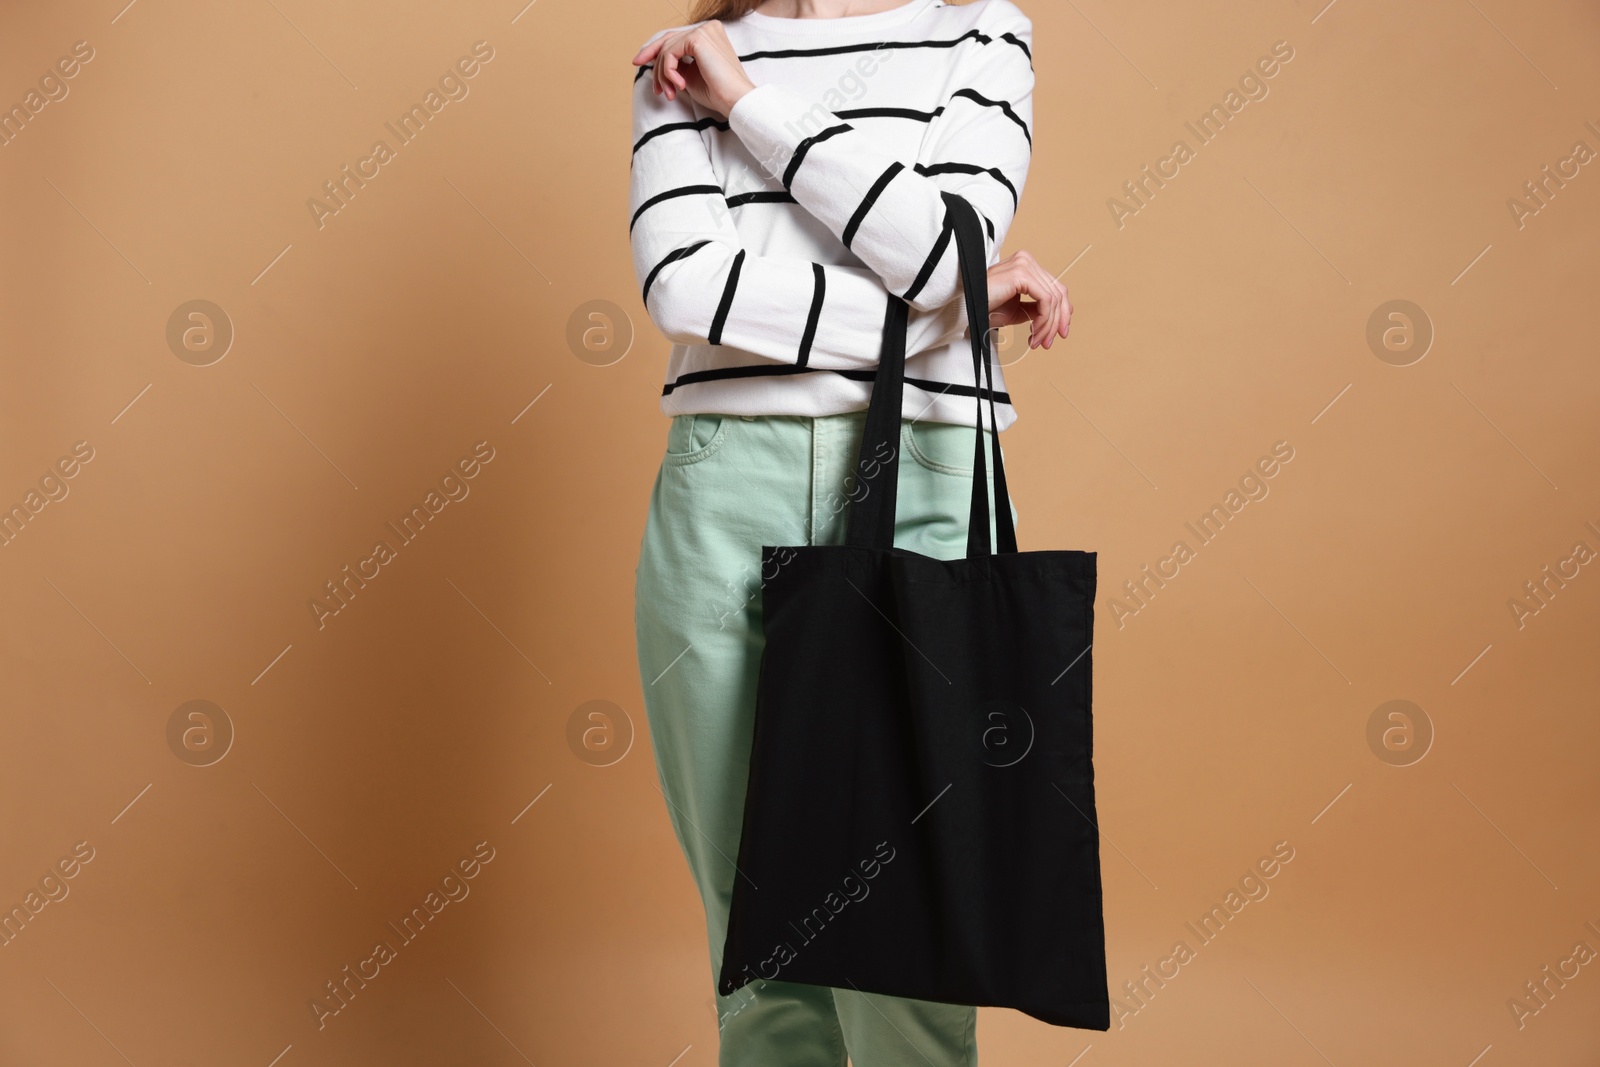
{"x": 432, "y": 713}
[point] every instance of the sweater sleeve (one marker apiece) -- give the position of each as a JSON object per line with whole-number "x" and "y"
{"x": 978, "y": 145}
{"x": 699, "y": 283}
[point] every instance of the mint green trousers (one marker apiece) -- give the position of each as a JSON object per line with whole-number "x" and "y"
{"x": 727, "y": 485}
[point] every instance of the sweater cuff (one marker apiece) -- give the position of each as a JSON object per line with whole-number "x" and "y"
{"x": 772, "y": 120}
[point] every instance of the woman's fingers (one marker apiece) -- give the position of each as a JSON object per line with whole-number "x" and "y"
{"x": 667, "y": 69}
{"x": 1049, "y": 313}
{"x": 1007, "y": 285}
{"x": 648, "y": 50}
{"x": 698, "y": 60}
{"x": 1011, "y": 312}
{"x": 1051, "y": 293}
{"x": 667, "y": 77}
{"x": 1042, "y": 288}
{"x": 1017, "y": 311}
{"x": 1052, "y": 327}
{"x": 1041, "y": 322}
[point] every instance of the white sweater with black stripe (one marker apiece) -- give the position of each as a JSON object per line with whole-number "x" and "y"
{"x": 767, "y": 245}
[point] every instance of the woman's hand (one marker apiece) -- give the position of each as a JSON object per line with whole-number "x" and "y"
{"x": 1019, "y": 275}
{"x": 698, "y": 60}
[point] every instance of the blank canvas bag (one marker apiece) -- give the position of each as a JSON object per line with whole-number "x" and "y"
{"x": 920, "y": 818}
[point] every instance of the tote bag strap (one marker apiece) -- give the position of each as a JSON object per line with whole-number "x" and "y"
{"x": 872, "y": 508}
{"x": 975, "y": 283}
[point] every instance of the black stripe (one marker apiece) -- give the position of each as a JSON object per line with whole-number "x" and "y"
{"x": 932, "y": 261}
{"x": 988, "y": 223}
{"x": 871, "y": 198}
{"x": 970, "y": 168}
{"x": 891, "y": 113}
{"x": 695, "y": 377}
{"x": 869, "y": 46}
{"x": 670, "y": 257}
{"x": 973, "y": 94}
{"x": 764, "y": 369}
{"x": 1020, "y": 43}
{"x": 857, "y": 113}
{"x": 640, "y": 72}
{"x": 715, "y": 336}
{"x": 816, "y": 313}
{"x": 685, "y": 190}
{"x": 711, "y": 122}
{"x": 803, "y": 147}
{"x": 960, "y": 390}
{"x": 765, "y": 196}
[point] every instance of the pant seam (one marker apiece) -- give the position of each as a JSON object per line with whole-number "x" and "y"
{"x": 811, "y": 482}
{"x": 840, "y": 1056}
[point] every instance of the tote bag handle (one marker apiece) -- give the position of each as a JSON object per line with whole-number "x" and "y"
{"x": 871, "y": 521}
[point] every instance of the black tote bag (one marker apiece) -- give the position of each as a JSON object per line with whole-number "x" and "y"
{"x": 920, "y": 818}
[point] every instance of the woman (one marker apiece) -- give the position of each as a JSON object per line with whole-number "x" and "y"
{"x": 788, "y": 163}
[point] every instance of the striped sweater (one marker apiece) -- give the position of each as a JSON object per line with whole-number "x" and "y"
{"x": 766, "y": 245}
